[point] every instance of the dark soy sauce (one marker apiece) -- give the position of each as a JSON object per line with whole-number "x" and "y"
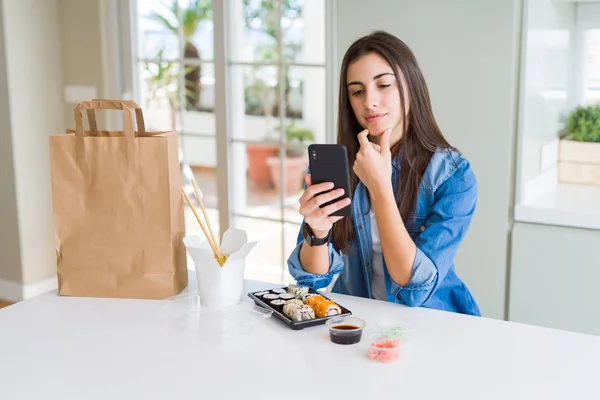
{"x": 345, "y": 334}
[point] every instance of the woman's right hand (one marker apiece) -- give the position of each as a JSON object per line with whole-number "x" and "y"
{"x": 318, "y": 218}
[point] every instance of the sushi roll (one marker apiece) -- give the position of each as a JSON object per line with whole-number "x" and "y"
{"x": 270, "y": 296}
{"x": 290, "y": 305}
{"x": 278, "y": 304}
{"x": 286, "y": 296}
{"x": 302, "y": 313}
{"x": 327, "y": 309}
{"x": 260, "y": 294}
{"x": 323, "y": 307}
{"x": 314, "y": 300}
{"x": 297, "y": 291}
{"x": 298, "y": 311}
{"x": 278, "y": 291}
{"x": 306, "y": 296}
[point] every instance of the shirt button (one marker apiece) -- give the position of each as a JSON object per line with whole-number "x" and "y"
{"x": 360, "y": 227}
{"x": 422, "y": 228}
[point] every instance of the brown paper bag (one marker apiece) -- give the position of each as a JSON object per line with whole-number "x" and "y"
{"x": 118, "y": 210}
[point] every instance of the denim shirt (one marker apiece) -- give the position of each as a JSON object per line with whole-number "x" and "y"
{"x": 446, "y": 202}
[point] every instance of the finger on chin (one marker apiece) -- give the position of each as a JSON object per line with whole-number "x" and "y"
{"x": 363, "y": 137}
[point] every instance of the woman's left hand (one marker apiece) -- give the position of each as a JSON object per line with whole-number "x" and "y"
{"x": 373, "y": 164}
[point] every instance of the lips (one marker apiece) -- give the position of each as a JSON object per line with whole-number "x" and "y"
{"x": 374, "y": 117}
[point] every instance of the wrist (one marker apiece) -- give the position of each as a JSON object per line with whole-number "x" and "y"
{"x": 383, "y": 193}
{"x": 320, "y": 234}
{"x": 315, "y": 238}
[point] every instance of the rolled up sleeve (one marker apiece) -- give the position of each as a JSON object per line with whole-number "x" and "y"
{"x": 445, "y": 229}
{"x": 314, "y": 281}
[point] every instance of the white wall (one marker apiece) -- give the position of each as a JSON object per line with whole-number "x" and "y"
{"x": 554, "y": 277}
{"x": 80, "y": 53}
{"x": 34, "y": 94}
{"x": 468, "y": 51}
{"x": 45, "y": 44}
{"x": 10, "y": 255}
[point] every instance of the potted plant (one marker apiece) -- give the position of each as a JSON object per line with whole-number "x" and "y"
{"x": 296, "y": 161}
{"x": 579, "y": 150}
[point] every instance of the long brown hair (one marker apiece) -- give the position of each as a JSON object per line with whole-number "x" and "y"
{"x": 421, "y": 135}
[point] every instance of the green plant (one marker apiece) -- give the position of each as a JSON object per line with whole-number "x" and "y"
{"x": 188, "y": 18}
{"x": 162, "y": 76}
{"x": 584, "y": 123}
{"x": 294, "y": 132}
{"x": 162, "y": 80}
{"x": 295, "y": 137}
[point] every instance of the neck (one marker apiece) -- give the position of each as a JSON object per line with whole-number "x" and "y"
{"x": 396, "y": 135}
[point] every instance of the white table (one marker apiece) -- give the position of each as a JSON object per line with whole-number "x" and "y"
{"x": 54, "y": 347}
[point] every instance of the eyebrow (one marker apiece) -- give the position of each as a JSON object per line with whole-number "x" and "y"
{"x": 374, "y": 78}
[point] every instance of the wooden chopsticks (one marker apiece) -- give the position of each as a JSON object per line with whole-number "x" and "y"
{"x": 210, "y": 235}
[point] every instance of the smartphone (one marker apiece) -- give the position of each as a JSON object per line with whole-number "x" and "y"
{"x": 329, "y": 163}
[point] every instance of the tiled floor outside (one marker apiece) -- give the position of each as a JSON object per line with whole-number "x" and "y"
{"x": 266, "y": 261}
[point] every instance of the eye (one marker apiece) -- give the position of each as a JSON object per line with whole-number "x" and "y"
{"x": 382, "y": 86}
{"x": 357, "y": 92}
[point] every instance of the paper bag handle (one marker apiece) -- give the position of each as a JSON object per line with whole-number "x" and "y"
{"x": 98, "y": 104}
{"x": 139, "y": 115}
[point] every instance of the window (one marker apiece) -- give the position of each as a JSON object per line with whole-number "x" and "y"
{"x": 275, "y": 62}
{"x": 558, "y": 178}
{"x": 591, "y": 64}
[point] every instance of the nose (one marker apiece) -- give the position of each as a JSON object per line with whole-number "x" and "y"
{"x": 371, "y": 99}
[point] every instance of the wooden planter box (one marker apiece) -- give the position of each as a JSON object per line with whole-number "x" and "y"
{"x": 579, "y": 162}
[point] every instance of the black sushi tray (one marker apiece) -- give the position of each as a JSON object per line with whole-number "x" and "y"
{"x": 295, "y": 325}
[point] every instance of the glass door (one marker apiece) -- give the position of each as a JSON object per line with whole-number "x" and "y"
{"x": 276, "y": 63}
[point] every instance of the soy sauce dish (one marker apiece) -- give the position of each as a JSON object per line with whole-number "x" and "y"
{"x": 345, "y": 330}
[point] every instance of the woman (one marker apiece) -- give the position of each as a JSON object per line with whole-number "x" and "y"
{"x": 413, "y": 193}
